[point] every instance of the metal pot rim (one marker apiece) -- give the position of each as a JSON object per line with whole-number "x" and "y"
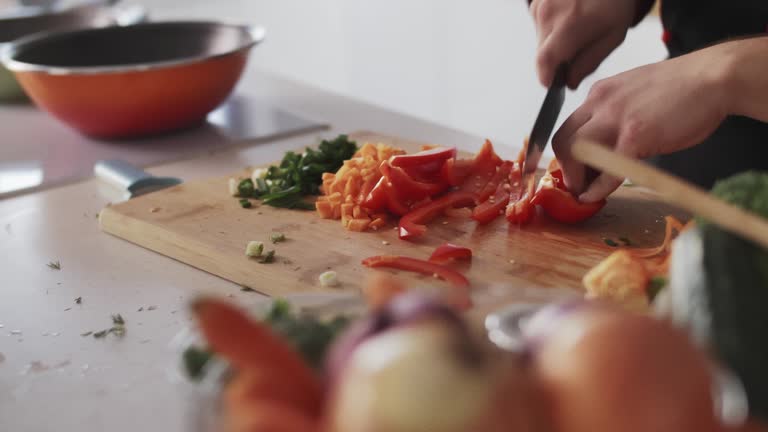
{"x": 9, "y": 50}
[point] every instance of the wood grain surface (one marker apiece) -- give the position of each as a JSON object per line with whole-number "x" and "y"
{"x": 199, "y": 224}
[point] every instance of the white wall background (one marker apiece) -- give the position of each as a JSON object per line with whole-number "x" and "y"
{"x": 461, "y": 63}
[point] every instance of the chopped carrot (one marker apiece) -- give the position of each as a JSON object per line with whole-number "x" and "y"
{"x": 324, "y": 209}
{"x": 377, "y": 223}
{"x": 358, "y": 224}
{"x": 225, "y": 327}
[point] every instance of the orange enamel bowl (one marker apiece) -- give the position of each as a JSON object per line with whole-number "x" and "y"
{"x": 121, "y": 82}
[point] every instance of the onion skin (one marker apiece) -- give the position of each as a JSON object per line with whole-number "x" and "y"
{"x": 609, "y": 370}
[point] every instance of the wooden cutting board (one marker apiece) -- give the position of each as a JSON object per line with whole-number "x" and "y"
{"x": 198, "y": 223}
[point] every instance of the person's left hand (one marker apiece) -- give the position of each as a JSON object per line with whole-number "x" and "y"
{"x": 655, "y": 109}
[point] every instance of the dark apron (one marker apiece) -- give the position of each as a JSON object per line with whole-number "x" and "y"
{"x": 739, "y": 144}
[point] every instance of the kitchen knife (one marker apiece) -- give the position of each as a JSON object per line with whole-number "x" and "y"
{"x": 545, "y": 122}
{"x": 130, "y": 179}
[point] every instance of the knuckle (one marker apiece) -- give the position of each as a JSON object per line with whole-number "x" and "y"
{"x": 600, "y": 90}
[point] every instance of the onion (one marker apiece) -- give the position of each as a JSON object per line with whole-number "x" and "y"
{"x": 405, "y": 309}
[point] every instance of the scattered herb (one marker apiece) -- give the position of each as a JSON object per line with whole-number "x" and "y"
{"x": 140, "y": 309}
{"x": 244, "y": 203}
{"x": 610, "y": 242}
{"x": 247, "y": 289}
{"x": 117, "y": 329}
{"x": 79, "y": 300}
{"x": 626, "y": 241}
{"x": 655, "y": 286}
{"x": 267, "y": 258}
{"x": 195, "y": 359}
{"x": 298, "y": 174}
{"x": 151, "y": 308}
{"x": 54, "y": 265}
{"x": 245, "y": 189}
{"x": 277, "y": 237}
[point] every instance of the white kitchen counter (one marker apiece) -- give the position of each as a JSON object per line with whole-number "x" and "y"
{"x": 457, "y": 66}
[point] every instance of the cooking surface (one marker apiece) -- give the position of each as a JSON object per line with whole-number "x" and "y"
{"x": 53, "y": 154}
{"x": 200, "y": 224}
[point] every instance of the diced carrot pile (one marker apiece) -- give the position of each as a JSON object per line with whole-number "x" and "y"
{"x": 344, "y": 191}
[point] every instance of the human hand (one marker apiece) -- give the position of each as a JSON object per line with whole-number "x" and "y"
{"x": 581, "y": 33}
{"x": 654, "y": 109}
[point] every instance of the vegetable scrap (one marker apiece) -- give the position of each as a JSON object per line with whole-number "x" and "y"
{"x": 266, "y": 258}
{"x": 254, "y": 248}
{"x": 298, "y": 175}
{"x": 277, "y": 237}
{"x": 117, "y": 329}
{"x": 244, "y": 203}
{"x": 448, "y": 252}
{"x": 329, "y": 279}
{"x": 79, "y": 300}
{"x": 54, "y": 265}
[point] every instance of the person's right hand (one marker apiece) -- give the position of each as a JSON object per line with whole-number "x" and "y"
{"x": 581, "y": 33}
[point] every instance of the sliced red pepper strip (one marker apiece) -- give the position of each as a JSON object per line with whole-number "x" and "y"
{"x": 447, "y": 252}
{"x": 520, "y": 210}
{"x": 494, "y": 206}
{"x": 501, "y": 176}
{"x": 559, "y": 203}
{"x": 425, "y": 165}
{"x": 412, "y": 224}
{"x": 418, "y": 266}
{"x": 406, "y": 187}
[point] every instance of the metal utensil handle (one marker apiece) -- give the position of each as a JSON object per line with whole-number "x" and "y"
{"x": 119, "y": 173}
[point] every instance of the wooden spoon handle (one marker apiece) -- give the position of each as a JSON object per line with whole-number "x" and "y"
{"x": 674, "y": 191}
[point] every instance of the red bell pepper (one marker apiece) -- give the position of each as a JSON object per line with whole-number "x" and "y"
{"x": 520, "y": 210}
{"x": 406, "y": 187}
{"x": 556, "y": 201}
{"x": 419, "y": 266}
{"x": 455, "y": 171}
{"x": 383, "y": 197}
{"x": 494, "y": 206}
{"x": 425, "y": 165}
{"x": 483, "y": 169}
{"x": 448, "y": 252}
{"x": 412, "y": 224}
{"x": 501, "y": 177}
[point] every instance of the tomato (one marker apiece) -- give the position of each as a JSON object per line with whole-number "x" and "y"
{"x": 559, "y": 203}
{"x": 520, "y": 210}
{"x": 412, "y": 224}
{"x": 406, "y": 187}
{"x": 602, "y": 369}
{"x": 425, "y": 165}
{"x": 448, "y": 252}
{"x": 419, "y": 266}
